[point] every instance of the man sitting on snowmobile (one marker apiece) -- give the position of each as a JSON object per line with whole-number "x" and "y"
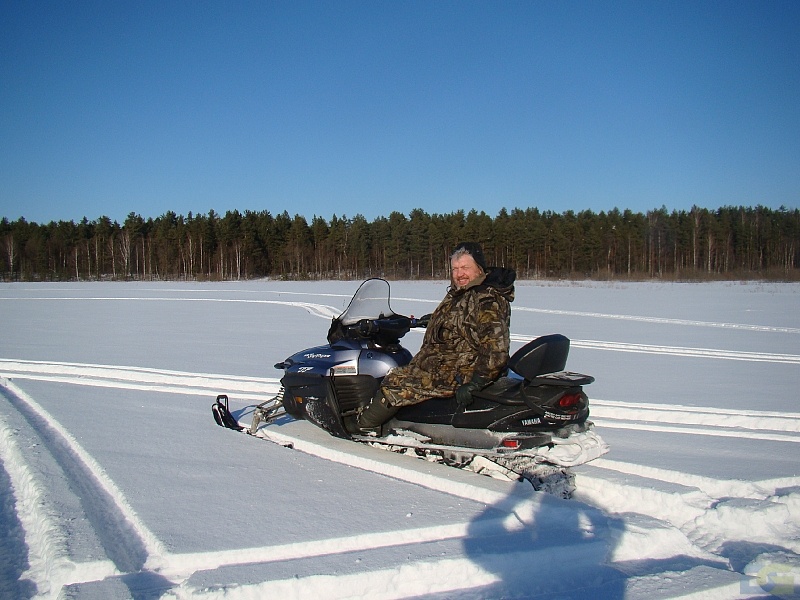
{"x": 465, "y": 346}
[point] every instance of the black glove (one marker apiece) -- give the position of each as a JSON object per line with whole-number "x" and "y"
{"x": 464, "y": 392}
{"x": 366, "y": 327}
{"x": 424, "y": 320}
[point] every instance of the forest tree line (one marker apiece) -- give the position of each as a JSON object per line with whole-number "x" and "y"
{"x": 730, "y": 242}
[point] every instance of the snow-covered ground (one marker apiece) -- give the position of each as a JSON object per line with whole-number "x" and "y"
{"x": 116, "y": 483}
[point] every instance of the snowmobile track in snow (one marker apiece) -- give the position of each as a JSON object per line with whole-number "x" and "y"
{"x": 669, "y": 418}
{"x": 134, "y": 547}
{"x": 133, "y": 551}
{"x": 701, "y": 516}
{"x": 325, "y": 311}
{"x": 126, "y": 541}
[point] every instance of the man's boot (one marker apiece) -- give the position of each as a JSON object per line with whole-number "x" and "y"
{"x": 372, "y": 416}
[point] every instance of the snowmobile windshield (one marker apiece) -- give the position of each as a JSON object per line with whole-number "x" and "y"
{"x": 371, "y": 301}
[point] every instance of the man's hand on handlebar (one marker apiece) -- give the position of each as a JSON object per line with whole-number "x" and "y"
{"x": 367, "y": 327}
{"x": 422, "y": 321}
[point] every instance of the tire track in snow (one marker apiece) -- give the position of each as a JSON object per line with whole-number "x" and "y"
{"x": 184, "y": 565}
{"x": 176, "y": 568}
{"x": 454, "y": 577}
{"x": 124, "y": 546}
{"x": 49, "y": 565}
{"x": 676, "y": 351}
{"x": 710, "y": 513}
{"x": 635, "y": 318}
{"x": 328, "y": 312}
{"x": 697, "y": 420}
{"x": 680, "y": 510}
{"x": 139, "y": 378}
{"x": 716, "y": 488}
{"x": 667, "y": 418}
{"x": 661, "y": 320}
{"x": 772, "y": 357}
{"x": 31, "y": 545}
{"x": 180, "y": 566}
{"x": 318, "y": 310}
{"x": 522, "y": 513}
{"x": 129, "y": 544}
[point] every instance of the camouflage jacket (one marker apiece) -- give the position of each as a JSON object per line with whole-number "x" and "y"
{"x": 468, "y": 334}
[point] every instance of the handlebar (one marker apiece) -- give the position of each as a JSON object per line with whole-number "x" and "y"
{"x": 386, "y": 329}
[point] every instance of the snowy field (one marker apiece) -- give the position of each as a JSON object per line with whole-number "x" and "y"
{"x": 116, "y": 483}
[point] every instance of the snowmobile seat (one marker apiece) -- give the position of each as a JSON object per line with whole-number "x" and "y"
{"x": 505, "y": 390}
{"x": 545, "y": 354}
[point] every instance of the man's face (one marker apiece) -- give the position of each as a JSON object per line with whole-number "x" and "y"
{"x": 465, "y": 270}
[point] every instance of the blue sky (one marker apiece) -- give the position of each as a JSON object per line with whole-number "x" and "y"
{"x": 345, "y": 108}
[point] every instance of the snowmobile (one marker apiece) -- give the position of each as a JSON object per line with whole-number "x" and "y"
{"x": 530, "y": 423}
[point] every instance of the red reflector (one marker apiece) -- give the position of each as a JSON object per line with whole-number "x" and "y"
{"x": 568, "y": 400}
{"x": 511, "y": 443}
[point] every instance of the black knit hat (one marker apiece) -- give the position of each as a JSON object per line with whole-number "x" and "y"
{"x": 474, "y": 250}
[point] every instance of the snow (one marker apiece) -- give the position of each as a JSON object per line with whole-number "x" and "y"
{"x": 116, "y": 483}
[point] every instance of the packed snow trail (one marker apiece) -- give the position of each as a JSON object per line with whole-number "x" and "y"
{"x": 135, "y": 551}
{"x": 128, "y": 543}
{"x": 329, "y": 312}
{"x": 770, "y": 357}
{"x": 698, "y": 420}
{"x": 188, "y": 383}
{"x": 674, "y": 418}
{"x": 138, "y": 378}
{"x": 660, "y": 320}
{"x": 688, "y": 514}
{"x": 318, "y": 310}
